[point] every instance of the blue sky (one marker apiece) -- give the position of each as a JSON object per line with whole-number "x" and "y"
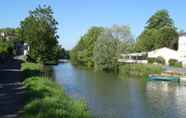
{"x": 75, "y": 17}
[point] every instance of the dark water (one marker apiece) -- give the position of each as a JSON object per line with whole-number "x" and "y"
{"x": 109, "y": 97}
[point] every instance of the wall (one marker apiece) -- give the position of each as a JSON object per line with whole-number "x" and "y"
{"x": 182, "y": 48}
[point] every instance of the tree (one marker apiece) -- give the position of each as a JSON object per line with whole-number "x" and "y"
{"x": 39, "y": 30}
{"x": 82, "y": 53}
{"x": 159, "y": 32}
{"x": 105, "y": 52}
{"x": 8, "y": 40}
{"x": 160, "y": 19}
{"x": 63, "y": 54}
{"x": 110, "y": 44}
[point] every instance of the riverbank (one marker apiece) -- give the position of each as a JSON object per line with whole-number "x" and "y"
{"x": 46, "y": 99}
{"x": 139, "y": 70}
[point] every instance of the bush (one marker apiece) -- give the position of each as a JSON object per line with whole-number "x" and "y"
{"x": 160, "y": 60}
{"x": 175, "y": 63}
{"x": 151, "y": 60}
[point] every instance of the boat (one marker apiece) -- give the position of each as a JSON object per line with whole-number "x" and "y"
{"x": 163, "y": 78}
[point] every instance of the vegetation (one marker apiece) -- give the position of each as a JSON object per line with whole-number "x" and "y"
{"x": 139, "y": 70}
{"x": 110, "y": 44}
{"x": 175, "y": 63}
{"x": 82, "y": 53}
{"x": 46, "y": 99}
{"x": 39, "y": 31}
{"x": 159, "y": 32}
{"x": 5, "y": 48}
{"x": 100, "y": 47}
{"x": 8, "y": 40}
{"x": 63, "y": 54}
{"x": 32, "y": 69}
{"x": 105, "y": 52}
{"x": 158, "y": 60}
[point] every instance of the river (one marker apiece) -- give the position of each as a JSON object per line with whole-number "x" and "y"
{"x": 110, "y": 97}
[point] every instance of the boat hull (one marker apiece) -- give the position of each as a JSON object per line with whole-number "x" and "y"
{"x": 163, "y": 78}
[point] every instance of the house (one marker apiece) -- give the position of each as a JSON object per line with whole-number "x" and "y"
{"x": 133, "y": 58}
{"x": 165, "y": 53}
{"x": 21, "y": 49}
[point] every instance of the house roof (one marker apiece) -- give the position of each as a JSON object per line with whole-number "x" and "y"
{"x": 164, "y": 48}
{"x": 182, "y": 34}
{"x": 134, "y": 54}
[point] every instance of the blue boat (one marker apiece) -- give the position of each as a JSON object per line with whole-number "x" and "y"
{"x": 163, "y": 78}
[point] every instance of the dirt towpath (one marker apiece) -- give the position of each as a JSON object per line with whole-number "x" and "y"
{"x": 11, "y": 89}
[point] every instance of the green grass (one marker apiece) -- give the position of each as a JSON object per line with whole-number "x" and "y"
{"x": 46, "y": 99}
{"x": 139, "y": 70}
{"x": 31, "y": 69}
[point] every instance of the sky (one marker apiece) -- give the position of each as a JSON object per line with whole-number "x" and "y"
{"x": 75, "y": 17}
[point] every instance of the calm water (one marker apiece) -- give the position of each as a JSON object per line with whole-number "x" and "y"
{"x": 109, "y": 97}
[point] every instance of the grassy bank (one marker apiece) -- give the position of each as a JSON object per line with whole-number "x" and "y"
{"x": 46, "y": 99}
{"x": 139, "y": 70}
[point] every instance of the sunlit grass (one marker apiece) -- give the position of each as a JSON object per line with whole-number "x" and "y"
{"x": 46, "y": 99}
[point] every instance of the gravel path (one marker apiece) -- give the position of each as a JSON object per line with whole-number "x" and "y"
{"x": 11, "y": 89}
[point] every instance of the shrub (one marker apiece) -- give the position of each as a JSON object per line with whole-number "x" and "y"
{"x": 151, "y": 60}
{"x": 160, "y": 60}
{"x": 175, "y": 63}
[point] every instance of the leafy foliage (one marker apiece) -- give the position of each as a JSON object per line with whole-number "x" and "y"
{"x": 175, "y": 63}
{"x": 105, "y": 52}
{"x": 159, "y": 32}
{"x": 82, "y": 53}
{"x": 63, "y": 54}
{"x": 110, "y": 44}
{"x": 39, "y": 31}
{"x": 8, "y": 40}
{"x": 5, "y": 48}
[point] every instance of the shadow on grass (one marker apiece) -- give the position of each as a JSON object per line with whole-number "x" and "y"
{"x": 27, "y": 73}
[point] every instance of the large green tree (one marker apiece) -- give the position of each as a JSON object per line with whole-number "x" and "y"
{"x": 110, "y": 44}
{"x": 105, "y": 52}
{"x": 82, "y": 53}
{"x": 39, "y": 30}
{"x": 159, "y": 32}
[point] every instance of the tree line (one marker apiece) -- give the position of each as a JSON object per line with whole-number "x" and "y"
{"x": 100, "y": 47}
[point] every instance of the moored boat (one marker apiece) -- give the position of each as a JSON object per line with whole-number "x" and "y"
{"x": 163, "y": 78}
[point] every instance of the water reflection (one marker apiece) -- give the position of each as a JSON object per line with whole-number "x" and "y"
{"x": 109, "y": 97}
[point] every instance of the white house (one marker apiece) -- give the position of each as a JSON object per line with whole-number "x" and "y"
{"x": 168, "y": 54}
{"x": 133, "y": 58}
{"x": 165, "y": 53}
